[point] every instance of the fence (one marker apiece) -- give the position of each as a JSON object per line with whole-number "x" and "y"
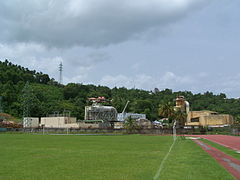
{"x": 3, "y": 129}
{"x": 154, "y": 131}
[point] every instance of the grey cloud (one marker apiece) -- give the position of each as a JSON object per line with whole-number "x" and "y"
{"x": 64, "y": 23}
{"x": 88, "y": 59}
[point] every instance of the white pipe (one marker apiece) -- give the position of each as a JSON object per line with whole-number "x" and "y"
{"x": 187, "y": 106}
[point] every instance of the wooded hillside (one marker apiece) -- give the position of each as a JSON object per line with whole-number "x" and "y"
{"x": 49, "y": 96}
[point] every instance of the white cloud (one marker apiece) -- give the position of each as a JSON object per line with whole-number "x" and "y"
{"x": 79, "y": 78}
{"x": 194, "y": 83}
{"x": 117, "y": 81}
{"x": 143, "y": 81}
{"x": 170, "y": 78}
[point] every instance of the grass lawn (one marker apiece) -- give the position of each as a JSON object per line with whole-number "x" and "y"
{"x": 129, "y": 157}
{"x": 226, "y": 150}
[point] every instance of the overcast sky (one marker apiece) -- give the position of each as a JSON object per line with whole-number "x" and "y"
{"x": 178, "y": 44}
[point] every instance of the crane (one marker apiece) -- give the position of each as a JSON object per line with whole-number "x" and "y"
{"x": 125, "y": 107}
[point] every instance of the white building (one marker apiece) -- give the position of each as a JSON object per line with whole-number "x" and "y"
{"x": 59, "y": 122}
{"x": 124, "y": 116}
{"x": 30, "y": 122}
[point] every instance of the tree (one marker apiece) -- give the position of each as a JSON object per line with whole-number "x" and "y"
{"x": 144, "y": 107}
{"x": 180, "y": 117}
{"x": 237, "y": 119}
{"x": 130, "y": 124}
{"x": 166, "y": 111}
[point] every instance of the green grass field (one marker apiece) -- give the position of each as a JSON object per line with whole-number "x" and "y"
{"x": 128, "y": 157}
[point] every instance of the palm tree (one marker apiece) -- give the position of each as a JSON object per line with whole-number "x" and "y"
{"x": 130, "y": 124}
{"x": 180, "y": 117}
{"x": 166, "y": 110}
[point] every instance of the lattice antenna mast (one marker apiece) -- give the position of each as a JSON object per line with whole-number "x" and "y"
{"x": 27, "y": 103}
{"x": 60, "y": 73}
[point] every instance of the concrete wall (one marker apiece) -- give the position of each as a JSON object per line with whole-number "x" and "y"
{"x": 88, "y": 125}
{"x": 94, "y": 131}
{"x": 118, "y": 125}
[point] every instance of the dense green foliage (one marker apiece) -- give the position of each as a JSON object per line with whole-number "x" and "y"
{"x": 49, "y": 96}
{"x": 131, "y": 157}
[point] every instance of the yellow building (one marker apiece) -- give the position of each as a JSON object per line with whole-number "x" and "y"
{"x": 202, "y": 118}
{"x": 208, "y": 118}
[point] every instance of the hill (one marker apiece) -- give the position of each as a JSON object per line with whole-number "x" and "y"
{"x": 47, "y": 96}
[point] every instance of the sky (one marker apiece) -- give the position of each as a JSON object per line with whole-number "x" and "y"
{"x": 182, "y": 45}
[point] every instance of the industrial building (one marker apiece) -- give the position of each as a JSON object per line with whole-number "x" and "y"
{"x": 141, "y": 120}
{"x": 99, "y": 116}
{"x": 97, "y": 111}
{"x": 96, "y": 116}
{"x": 124, "y": 116}
{"x": 58, "y": 122}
